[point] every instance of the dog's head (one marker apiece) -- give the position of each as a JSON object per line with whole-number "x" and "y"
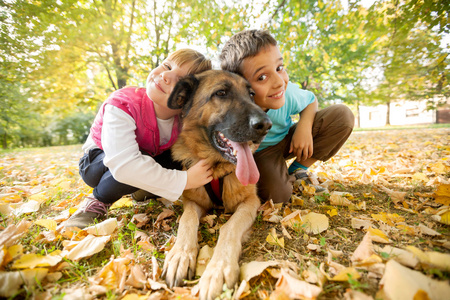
{"x": 220, "y": 104}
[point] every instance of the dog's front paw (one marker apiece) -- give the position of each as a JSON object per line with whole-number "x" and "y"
{"x": 216, "y": 274}
{"x": 180, "y": 264}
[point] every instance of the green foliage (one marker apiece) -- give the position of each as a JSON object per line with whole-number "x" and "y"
{"x": 61, "y": 59}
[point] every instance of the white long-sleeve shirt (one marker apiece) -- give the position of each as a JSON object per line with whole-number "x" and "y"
{"x": 125, "y": 161}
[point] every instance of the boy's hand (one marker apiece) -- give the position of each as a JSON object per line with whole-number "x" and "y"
{"x": 198, "y": 175}
{"x": 302, "y": 143}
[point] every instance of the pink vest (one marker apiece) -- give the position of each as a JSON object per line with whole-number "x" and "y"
{"x": 135, "y": 102}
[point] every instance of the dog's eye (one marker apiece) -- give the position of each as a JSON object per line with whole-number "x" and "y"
{"x": 252, "y": 94}
{"x": 221, "y": 93}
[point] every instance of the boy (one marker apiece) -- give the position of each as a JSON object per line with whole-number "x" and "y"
{"x": 318, "y": 135}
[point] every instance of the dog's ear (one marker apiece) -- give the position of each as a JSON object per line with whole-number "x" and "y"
{"x": 181, "y": 96}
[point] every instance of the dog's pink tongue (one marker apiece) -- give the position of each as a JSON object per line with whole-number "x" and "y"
{"x": 246, "y": 170}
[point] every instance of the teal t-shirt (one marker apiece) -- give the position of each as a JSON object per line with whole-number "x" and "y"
{"x": 296, "y": 100}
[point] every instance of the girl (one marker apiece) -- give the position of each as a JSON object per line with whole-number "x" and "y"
{"x": 128, "y": 145}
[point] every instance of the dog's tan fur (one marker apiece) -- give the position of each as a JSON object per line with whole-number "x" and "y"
{"x": 192, "y": 146}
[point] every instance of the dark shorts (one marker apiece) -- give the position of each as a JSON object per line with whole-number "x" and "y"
{"x": 106, "y": 188}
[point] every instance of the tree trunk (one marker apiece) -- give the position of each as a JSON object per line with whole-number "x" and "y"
{"x": 358, "y": 115}
{"x": 388, "y": 113}
{"x": 4, "y": 141}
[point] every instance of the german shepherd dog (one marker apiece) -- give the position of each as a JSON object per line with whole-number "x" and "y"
{"x": 223, "y": 125}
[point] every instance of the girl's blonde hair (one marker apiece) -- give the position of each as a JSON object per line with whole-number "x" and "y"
{"x": 199, "y": 62}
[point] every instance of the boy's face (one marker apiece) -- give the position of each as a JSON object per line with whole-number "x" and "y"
{"x": 162, "y": 80}
{"x": 268, "y": 78}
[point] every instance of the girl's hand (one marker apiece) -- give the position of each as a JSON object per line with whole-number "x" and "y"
{"x": 198, "y": 175}
{"x": 302, "y": 143}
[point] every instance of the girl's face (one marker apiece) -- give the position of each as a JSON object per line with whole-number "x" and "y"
{"x": 162, "y": 80}
{"x": 267, "y": 76}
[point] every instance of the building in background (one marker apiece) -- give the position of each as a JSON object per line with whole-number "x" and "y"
{"x": 403, "y": 113}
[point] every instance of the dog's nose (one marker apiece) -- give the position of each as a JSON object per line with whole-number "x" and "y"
{"x": 260, "y": 124}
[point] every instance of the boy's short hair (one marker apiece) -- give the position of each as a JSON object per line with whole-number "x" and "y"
{"x": 199, "y": 62}
{"x": 246, "y": 43}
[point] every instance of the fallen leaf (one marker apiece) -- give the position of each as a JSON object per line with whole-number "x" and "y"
{"x": 339, "y": 198}
{"x": 87, "y": 247}
{"x": 295, "y": 288}
{"x": 364, "y": 250}
{"x": 428, "y": 231}
{"x": 399, "y": 282}
{"x": 32, "y": 260}
{"x": 293, "y": 220}
{"x": 332, "y": 212}
{"x": 378, "y": 236}
{"x": 136, "y": 278}
{"x": 204, "y": 256}
{"x": 140, "y": 220}
{"x": 442, "y": 194}
{"x": 255, "y": 268}
{"x": 356, "y": 295}
{"x": 166, "y": 213}
{"x": 27, "y": 208}
{"x": 209, "y": 219}
{"x": 431, "y": 259}
{"x": 12, "y": 233}
{"x": 135, "y": 296}
{"x": 346, "y": 274}
{"x": 272, "y": 238}
{"x": 315, "y": 223}
{"x": 104, "y": 228}
{"x": 10, "y": 282}
{"x": 396, "y": 196}
{"x": 47, "y": 223}
{"x": 401, "y": 256}
{"x": 122, "y": 202}
{"x": 361, "y": 224}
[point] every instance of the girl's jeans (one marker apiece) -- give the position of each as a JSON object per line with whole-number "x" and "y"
{"x": 106, "y": 188}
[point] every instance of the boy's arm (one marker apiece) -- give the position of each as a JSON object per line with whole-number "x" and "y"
{"x": 302, "y": 141}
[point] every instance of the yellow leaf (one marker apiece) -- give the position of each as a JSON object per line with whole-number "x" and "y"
{"x": 40, "y": 198}
{"x": 346, "y": 274}
{"x": 389, "y": 219}
{"x": 135, "y": 296}
{"x": 32, "y": 260}
{"x": 333, "y": 212}
{"x": 445, "y": 218}
{"x": 315, "y": 223}
{"x": 293, "y": 220}
{"x": 72, "y": 210}
{"x": 122, "y": 202}
{"x": 308, "y": 190}
{"x": 47, "y": 223}
{"x": 439, "y": 168}
{"x": 420, "y": 177}
{"x": 431, "y": 259}
{"x": 407, "y": 229}
{"x": 340, "y": 198}
{"x": 442, "y": 194}
{"x": 378, "y": 236}
{"x": 296, "y": 200}
{"x": 10, "y": 198}
{"x": 273, "y": 239}
{"x": 14, "y": 280}
{"x": 15, "y": 250}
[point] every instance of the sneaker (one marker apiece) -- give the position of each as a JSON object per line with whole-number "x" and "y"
{"x": 142, "y": 195}
{"x": 92, "y": 209}
{"x": 301, "y": 174}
